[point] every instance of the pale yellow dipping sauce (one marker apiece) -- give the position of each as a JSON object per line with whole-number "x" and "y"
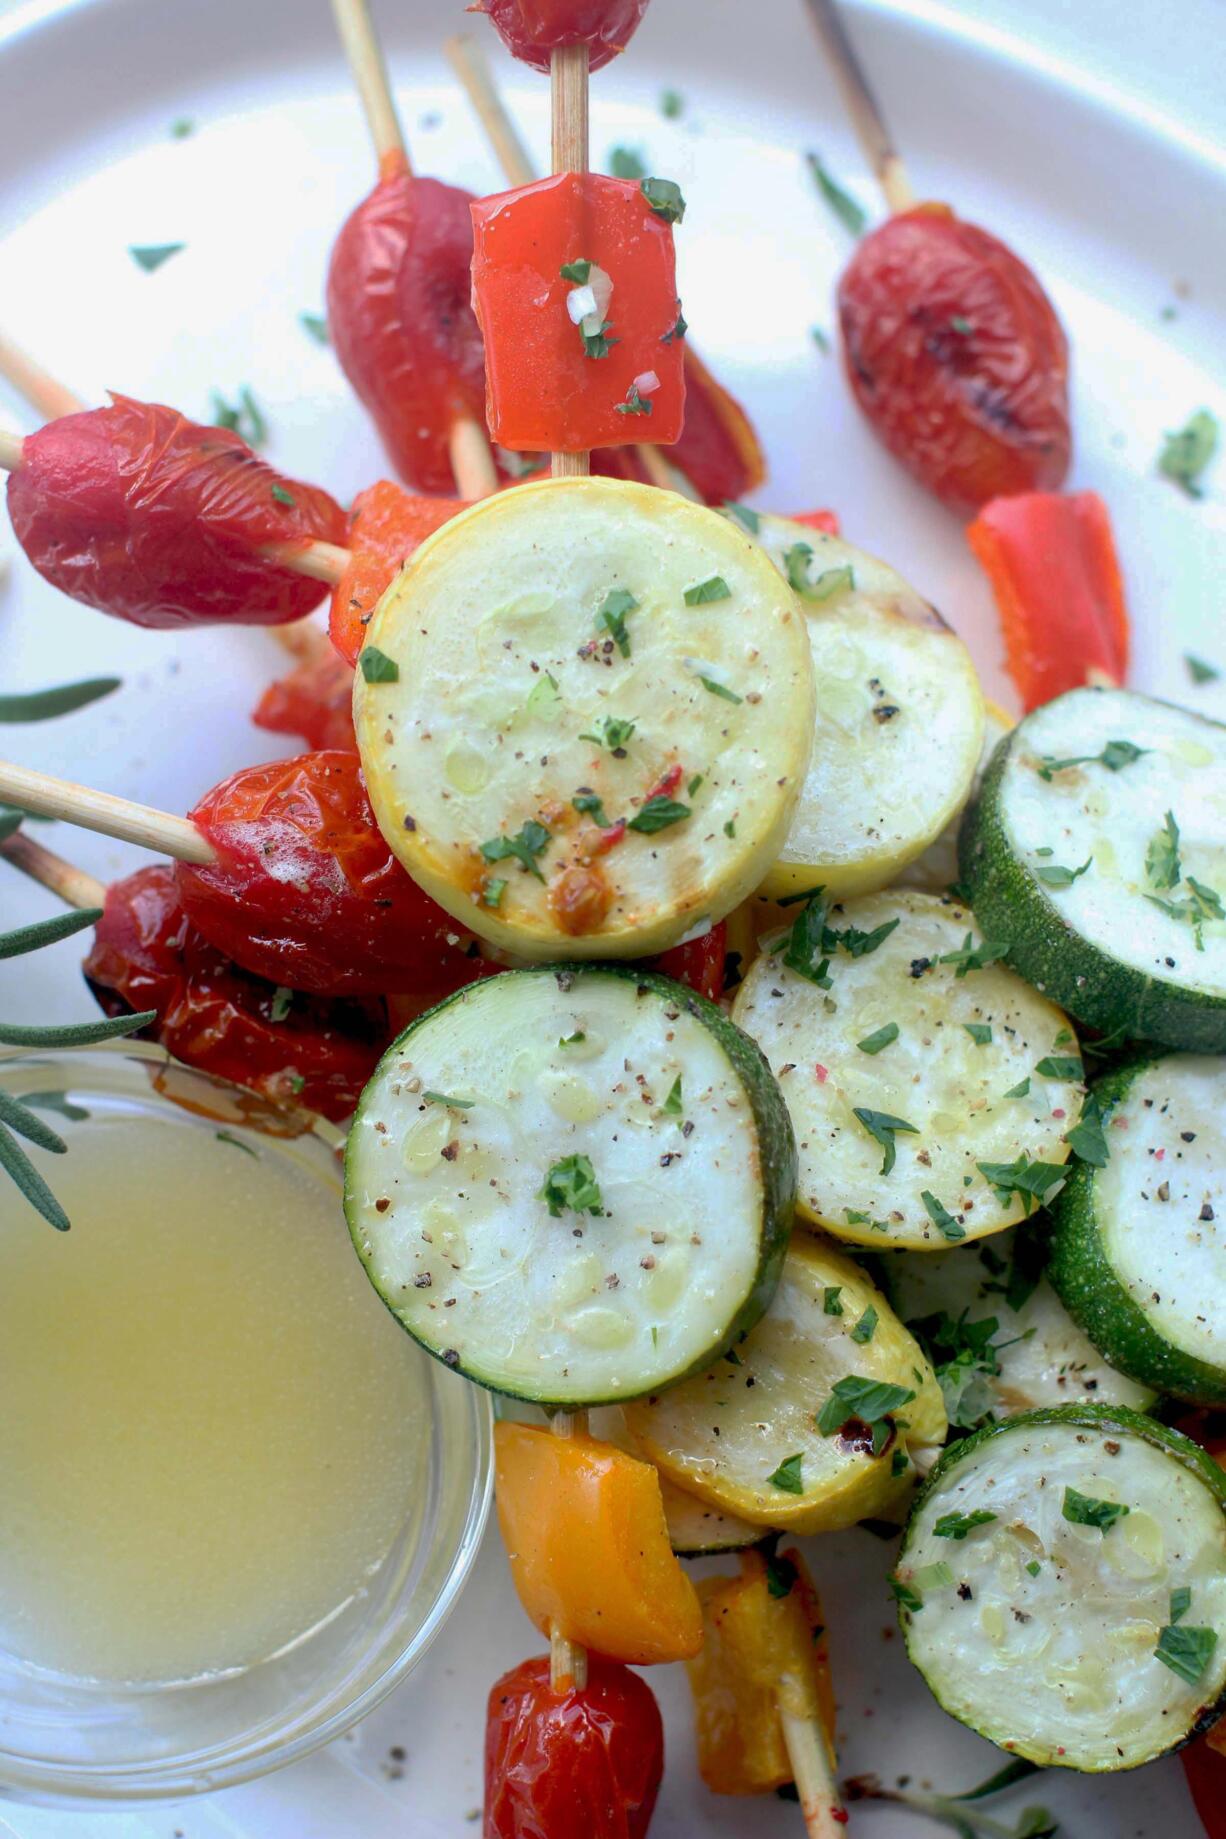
{"x": 211, "y": 1431}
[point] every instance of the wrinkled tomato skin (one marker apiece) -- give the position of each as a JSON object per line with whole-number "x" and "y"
{"x": 315, "y": 701}
{"x": 306, "y": 892}
{"x": 700, "y": 963}
{"x": 532, "y": 29}
{"x": 957, "y": 359}
{"x": 152, "y": 518}
{"x": 571, "y": 1764}
{"x": 1205, "y": 1769}
{"x": 213, "y": 1016}
{"x": 386, "y": 524}
{"x": 402, "y": 324}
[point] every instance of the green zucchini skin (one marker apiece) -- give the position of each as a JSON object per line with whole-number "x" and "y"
{"x": 777, "y": 1161}
{"x": 1118, "y": 1420}
{"x": 1086, "y": 1282}
{"x": 1123, "y": 1002}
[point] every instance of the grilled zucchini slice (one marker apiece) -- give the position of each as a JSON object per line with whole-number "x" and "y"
{"x": 899, "y": 724}
{"x": 1097, "y": 848}
{"x": 586, "y": 717}
{"x": 573, "y": 1184}
{"x": 958, "y": 1088}
{"x": 745, "y": 1436}
{"x": 1062, "y": 1584}
{"x": 1139, "y": 1248}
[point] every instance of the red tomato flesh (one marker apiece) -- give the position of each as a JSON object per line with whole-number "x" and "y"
{"x": 544, "y": 393}
{"x": 155, "y": 519}
{"x": 386, "y": 524}
{"x": 533, "y": 29}
{"x": 955, "y": 355}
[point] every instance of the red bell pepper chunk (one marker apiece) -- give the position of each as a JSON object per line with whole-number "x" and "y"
{"x": 1051, "y": 560}
{"x": 579, "y": 1763}
{"x": 155, "y": 519}
{"x": 386, "y": 524}
{"x": 699, "y": 963}
{"x": 817, "y": 520}
{"x": 544, "y": 393}
{"x": 1204, "y": 1765}
{"x": 314, "y": 701}
{"x": 308, "y": 1051}
{"x": 532, "y": 30}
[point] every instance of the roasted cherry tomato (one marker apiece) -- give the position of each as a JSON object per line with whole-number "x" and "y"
{"x": 700, "y": 963}
{"x": 580, "y": 1763}
{"x": 533, "y": 29}
{"x": 289, "y": 1049}
{"x": 616, "y": 377}
{"x": 1204, "y": 1764}
{"x": 1055, "y": 575}
{"x": 143, "y": 514}
{"x": 315, "y": 700}
{"x": 401, "y": 321}
{"x": 386, "y": 524}
{"x": 305, "y": 891}
{"x": 956, "y": 356}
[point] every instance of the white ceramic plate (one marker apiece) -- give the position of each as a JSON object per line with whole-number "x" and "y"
{"x": 1085, "y": 136}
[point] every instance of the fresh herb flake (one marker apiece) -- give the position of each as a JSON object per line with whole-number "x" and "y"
{"x": 880, "y": 1037}
{"x": 870, "y": 1400}
{"x": 941, "y": 1217}
{"x": 980, "y": 1032}
{"x": 831, "y": 1304}
{"x": 1199, "y": 670}
{"x": 316, "y": 325}
{"x": 150, "y": 256}
{"x": 883, "y": 1127}
{"x": 1087, "y": 1139}
{"x": 1056, "y": 875}
{"x": 1186, "y": 454}
{"x": 1186, "y": 1651}
{"x": 787, "y": 1476}
{"x": 530, "y": 842}
{"x": 612, "y": 615}
{"x": 960, "y": 1525}
{"x": 703, "y": 592}
{"x": 1033, "y": 1182}
{"x": 851, "y": 215}
{"x": 658, "y": 814}
{"x": 376, "y": 666}
{"x": 720, "y": 689}
{"x": 971, "y": 957}
{"x": 627, "y": 163}
{"x": 866, "y": 1327}
{"x": 665, "y": 199}
{"x": 571, "y": 1186}
{"x": 1084, "y": 1510}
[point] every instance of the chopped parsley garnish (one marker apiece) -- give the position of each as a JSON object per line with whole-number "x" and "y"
{"x": 598, "y": 344}
{"x": 900, "y": 1462}
{"x": 1087, "y": 1139}
{"x": 571, "y": 1186}
{"x": 980, "y": 1032}
{"x": 657, "y": 814}
{"x": 492, "y": 893}
{"x": 695, "y": 784}
{"x": 713, "y": 588}
{"x": 282, "y": 1003}
{"x": 1186, "y": 453}
{"x": 744, "y": 514}
{"x": 1021, "y": 1089}
{"x": 855, "y": 1216}
{"x": 866, "y": 1327}
{"x": 544, "y": 699}
{"x": 316, "y": 325}
{"x": 376, "y": 666}
{"x": 787, "y": 1476}
{"x": 635, "y": 404}
{"x": 959, "y": 1525}
{"x": 572, "y": 1040}
{"x": 941, "y": 1217}
{"x": 612, "y": 615}
{"x": 906, "y": 1595}
{"x": 963, "y": 1357}
{"x": 883, "y": 1127}
{"x": 938, "y": 1576}
{"x": 672, "y": 104}
{"x": 626, "y": 163}
{"x": 972, "y": 957}
{"x": 1060, "y": 1066}
{"x": 1032, "y": 1182}
{"x": 228, "y": 1136}
{"x": 1203, "y": 904}
{"x": 592, "y": 805}
{"x": 677, "y": 330}
{"x": 720, "y": 689}
{"x": 780, "y": 1574}
{"x": 246, "y": 419}
{"x": 615, "y": 733}
{"x": 831, "y": 581}
{"x": 831, "y": 1304}
{"x": 1163, "y": 868}
{"x": 672, "y": 1104}
{"x": 448, "y": 1100}
{"x": 1115, "y": 754}
{"x": 730, "y": 827}
{"x": 855, "y": 942}
{"x": 1199, "y": 670}
{"x": 819, "y": 339}
{"x": 880, "y": 1037}
{"x": 1034, "y": 1567}
{"x": 1181, "y": 1602}
{"x": 150, "y": 256}
{"x": 1056, "y": 875}
{"x": 849, "y": 213}
{"x": 282, "y": 496}
{"x": 802, "y": 943}
{"x": 961, "y": 325}
{"x": 578, "y": 272}
{"x": 182, "y": 127}
{"x": 870, "y": 1400}
{"x": 1084, "y": 1510}
{"x": 1186, "y": 1651}
{"x": 665, "y": 199}
{"x": 531, "y": 841}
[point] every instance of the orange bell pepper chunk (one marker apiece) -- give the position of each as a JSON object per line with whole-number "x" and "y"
{"x": 386, "y": 524}
{"x": 1055, "y": 575}
{"x": 546, "y": 389}
{"x": 764, "y": 1657}
{"x": 583, "y": 1524}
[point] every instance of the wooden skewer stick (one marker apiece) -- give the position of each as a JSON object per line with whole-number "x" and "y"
{"x": 74, "y": 886}
{"x": 472, "y": 462}
{"x": 568, "y": 97}
{"x": 862, "y": 106}
{"x": 820, "y": 1801}
{"x": 567, "y": 1660}
{"x": 47, "y": 796}
{"x": 40, "y": 389}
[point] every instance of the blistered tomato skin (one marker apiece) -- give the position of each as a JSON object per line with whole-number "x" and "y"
{"x": 306, "y": 893}
{"x": 158, "y": 520}
{"x": 955, "y": 355}
{"x": 401, "y": 321}
{"x": 572, "y": 1764}
{"x": 309, "y": 1053}
{"x": 532, "y": 29}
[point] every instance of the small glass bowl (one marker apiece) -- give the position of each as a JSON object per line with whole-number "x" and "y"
{"x": 66, "y": 1741}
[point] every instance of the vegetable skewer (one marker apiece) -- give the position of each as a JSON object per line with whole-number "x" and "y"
{"x": 951, "y": 347}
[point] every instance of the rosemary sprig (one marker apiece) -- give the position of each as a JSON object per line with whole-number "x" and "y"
{"x": 41, "y": 705}
{"x": 957, "y": 1812}
{"x": 15, "y": 1115}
